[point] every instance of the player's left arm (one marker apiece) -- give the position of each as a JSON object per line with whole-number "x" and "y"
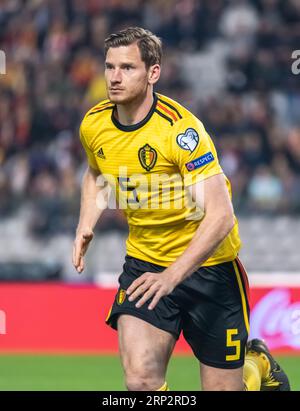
{"x": 217, "y": 223}
{"x": 194, "y": 153}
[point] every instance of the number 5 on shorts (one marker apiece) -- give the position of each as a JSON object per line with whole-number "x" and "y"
{"x": 230, "y": 343}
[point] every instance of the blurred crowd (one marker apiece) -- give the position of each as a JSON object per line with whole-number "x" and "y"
{"x": 54, "y": 74}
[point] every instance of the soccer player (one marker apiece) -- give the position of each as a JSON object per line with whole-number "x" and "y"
{"x": 182, "y": 271}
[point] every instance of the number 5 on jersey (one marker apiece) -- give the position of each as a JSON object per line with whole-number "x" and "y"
{"x": 233, "y": 343}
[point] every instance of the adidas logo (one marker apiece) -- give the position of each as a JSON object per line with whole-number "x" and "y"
{"x": 101, "y": 153}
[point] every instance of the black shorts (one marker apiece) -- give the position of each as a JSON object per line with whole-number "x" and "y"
{"x": 210, "y": 307}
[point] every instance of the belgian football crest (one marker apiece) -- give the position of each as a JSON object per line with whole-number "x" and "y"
{"x": 147, "y": 157}
{"x": 121, "y": 296}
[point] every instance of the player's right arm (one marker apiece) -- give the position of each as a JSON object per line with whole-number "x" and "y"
{"x": 91, "y": 194}
{"x": 89, "y": 215}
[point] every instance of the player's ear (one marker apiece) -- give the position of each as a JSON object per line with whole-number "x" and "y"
{"x": 153, "y": 73}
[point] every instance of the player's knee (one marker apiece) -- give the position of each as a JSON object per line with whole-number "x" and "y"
{"x": 143, "y": 379}
{"x": 144, "y": 373}
{"x": 143, "y": 383}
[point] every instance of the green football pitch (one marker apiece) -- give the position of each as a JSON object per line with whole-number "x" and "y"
{"x": 100, "y": 373}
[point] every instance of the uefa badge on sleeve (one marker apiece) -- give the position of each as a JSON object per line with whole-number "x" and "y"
{"x": 188, "y": 140}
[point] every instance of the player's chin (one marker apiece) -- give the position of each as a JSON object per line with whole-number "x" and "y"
{"x": 116, "y": 98}
{"x": 120, "y": 98}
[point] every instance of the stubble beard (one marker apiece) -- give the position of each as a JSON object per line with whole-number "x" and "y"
{"x": 128, "y": 98}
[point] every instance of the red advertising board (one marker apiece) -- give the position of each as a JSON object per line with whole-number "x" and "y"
{"x": 275, "y": 317}
{"x": 70, "y": 318}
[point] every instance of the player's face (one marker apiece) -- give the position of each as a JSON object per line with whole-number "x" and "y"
{"x": 126, "y": 75}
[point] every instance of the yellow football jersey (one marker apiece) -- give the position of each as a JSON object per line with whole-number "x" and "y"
{"x": 149, "y": 167}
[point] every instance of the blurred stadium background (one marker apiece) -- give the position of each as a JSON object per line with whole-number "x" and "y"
{"x": 229, "y": 62}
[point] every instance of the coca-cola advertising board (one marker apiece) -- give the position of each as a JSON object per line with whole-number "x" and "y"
{"x": 275, "y": 317}
{"x": 71, "y": 318}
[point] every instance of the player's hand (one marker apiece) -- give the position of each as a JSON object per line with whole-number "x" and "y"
{"x": 80, "y": 246}
{"x": 150, "y": 285}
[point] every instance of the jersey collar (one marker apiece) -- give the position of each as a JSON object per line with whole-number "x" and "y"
{"x": 138, "y": 125}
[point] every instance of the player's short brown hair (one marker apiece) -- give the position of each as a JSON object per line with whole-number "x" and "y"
{"x": 148, "y": 43}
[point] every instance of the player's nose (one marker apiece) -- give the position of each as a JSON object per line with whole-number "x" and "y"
{"x": 116, "y": 76}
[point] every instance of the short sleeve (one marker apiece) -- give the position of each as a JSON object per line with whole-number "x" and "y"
{"x": 89, "y": 153}
{"x": 193, "y": 151}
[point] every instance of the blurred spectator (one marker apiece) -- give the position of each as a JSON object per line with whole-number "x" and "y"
{"x": 265, "y": 190}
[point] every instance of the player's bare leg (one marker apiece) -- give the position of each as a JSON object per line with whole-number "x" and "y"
{"x": 145, "y": 352}
{"x": 218, "y": 379}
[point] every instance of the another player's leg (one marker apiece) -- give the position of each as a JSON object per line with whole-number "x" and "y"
{"x": 261, "y": 371}
{"x": 145, "y": 352}
{"x": 252, "y": 373}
